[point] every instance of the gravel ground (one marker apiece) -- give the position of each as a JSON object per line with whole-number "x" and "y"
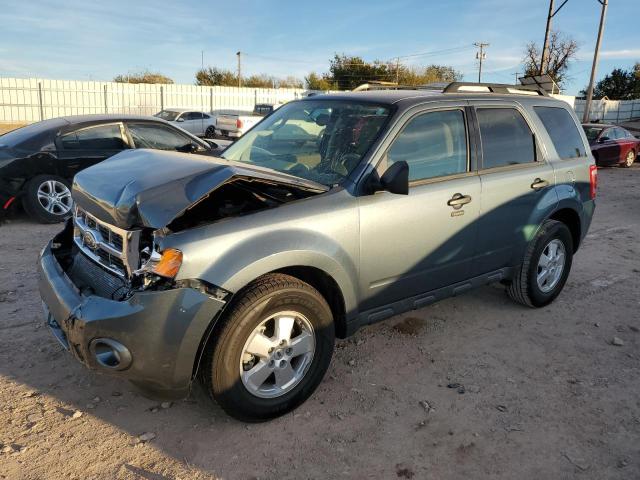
{"x": 473, "y": 387}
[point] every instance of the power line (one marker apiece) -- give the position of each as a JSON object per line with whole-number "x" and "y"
{"x": 437, "y": 52}
{"x": 364, "y": 62}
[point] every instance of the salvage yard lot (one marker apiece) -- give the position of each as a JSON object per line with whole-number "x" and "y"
{"x": 473, "y": 387}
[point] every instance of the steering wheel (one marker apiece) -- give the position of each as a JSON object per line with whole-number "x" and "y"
{"x": 262, "y": 157}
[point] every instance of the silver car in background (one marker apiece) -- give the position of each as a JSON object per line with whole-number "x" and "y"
{"x": 195, "y": 122}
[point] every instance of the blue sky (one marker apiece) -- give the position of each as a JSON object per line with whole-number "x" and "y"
{"x": 80, "y": 39}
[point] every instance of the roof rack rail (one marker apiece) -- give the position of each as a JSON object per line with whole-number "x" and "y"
{"x": 458, "y": 87}
{"x": 374, "y": 85}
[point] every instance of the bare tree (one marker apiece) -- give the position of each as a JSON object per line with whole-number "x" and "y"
{"x": 562, "y": 49}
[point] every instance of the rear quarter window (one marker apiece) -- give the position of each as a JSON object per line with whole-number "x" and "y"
{"x": 563, "y": 131}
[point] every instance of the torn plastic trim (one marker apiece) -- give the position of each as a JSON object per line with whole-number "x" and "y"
{"x": 213, "y": 291}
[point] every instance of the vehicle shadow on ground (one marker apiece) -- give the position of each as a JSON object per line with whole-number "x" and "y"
{"x": 195, "y": 431}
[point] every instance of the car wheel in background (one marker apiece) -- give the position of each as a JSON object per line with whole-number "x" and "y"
{"x": 210, "y": 132}
{"x": 545, "y": 268}
{"x": 629, "y": 159}
{"x": 47, "y": 198}
{"x": 271, "y": 349}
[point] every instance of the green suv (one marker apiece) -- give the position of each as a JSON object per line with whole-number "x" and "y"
{"x": 334, "y": 212}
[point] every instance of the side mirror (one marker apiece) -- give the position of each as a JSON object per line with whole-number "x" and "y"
{"x": 180, "y": 120}
{"x": 603, "y": 139}
{"x": 212, "y": 144}
{"x": 188, "y": 148}
{"x": 396, "y": 178}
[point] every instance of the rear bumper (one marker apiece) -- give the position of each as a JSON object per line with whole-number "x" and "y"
{"x": 227, "y": 133}
{"x": 8, "y": 196}
{"x": 161, "y": 330}
{"x": 588, "y": 210}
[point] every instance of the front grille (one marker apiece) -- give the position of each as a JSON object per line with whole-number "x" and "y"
{"x": 113, "y": 248}
{"x": 85, "y": 274}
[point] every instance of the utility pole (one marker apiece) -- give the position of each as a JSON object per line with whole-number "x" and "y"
{"x": 516, "y": 74}
{"x": 480, "y": 55}
{"x": 544, "y": 61}
{"x": 397, "y": 70}
{"x": 587, "y": 105}
{"x": 239, "y": 70}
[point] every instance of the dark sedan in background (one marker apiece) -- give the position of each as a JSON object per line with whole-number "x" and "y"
{"x": 611, "y": 145}
{"x": 38, "y": 162}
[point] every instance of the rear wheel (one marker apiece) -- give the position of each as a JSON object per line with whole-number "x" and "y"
{"x": 545, "y": 267}
{"x": 210, "y": 132}
{"x": 271, "y": 349}
{"x": 629, "y": 159}
{"x": 47, "y": 198}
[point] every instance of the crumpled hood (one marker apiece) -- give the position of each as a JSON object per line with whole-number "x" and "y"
{"x": 151, "y": 187}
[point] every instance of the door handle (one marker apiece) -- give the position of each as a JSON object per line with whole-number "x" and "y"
{"x": 458, "y": 200}
{"x": 539, "y": 184}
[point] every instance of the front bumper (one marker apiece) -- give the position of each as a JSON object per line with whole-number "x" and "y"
{"x": 162, "y": 330}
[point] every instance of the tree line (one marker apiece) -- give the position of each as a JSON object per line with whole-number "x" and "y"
{"x": 346, "y": 72}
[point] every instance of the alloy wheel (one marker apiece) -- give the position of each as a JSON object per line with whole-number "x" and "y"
{"x": 54, "y": 197}
{"x": 550, "y": 265}
{"x": 631, "y": 157}
{"x": 277, "y": 354}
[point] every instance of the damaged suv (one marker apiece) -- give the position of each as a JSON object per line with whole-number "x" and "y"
{"x": 334, "y": 212}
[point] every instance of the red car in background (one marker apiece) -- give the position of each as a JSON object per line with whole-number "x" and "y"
{"x": 611, "y": 145}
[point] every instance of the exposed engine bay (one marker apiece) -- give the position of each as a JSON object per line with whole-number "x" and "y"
{"x": 240, "y": 196}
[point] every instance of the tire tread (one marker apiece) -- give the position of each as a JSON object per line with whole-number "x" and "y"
{"x": 518, "y": 289}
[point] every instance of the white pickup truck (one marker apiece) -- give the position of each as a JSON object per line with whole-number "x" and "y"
{"x": 235, "y": 125}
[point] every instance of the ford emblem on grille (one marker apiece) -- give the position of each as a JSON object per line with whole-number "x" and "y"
{"x": 90, "y": 240}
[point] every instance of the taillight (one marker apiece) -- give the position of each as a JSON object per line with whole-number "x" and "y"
{"x": 593, "y": 180}
{"x": 238, "y": 123}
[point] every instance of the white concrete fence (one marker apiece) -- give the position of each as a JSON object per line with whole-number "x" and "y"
{"x": 27, "y": 100}
{"x": 609, "y": 111}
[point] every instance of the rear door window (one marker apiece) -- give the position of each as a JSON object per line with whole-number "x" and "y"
{"x": 101, "y": 137}
{"x": 433, "y": 144}
{"x": 160, "y": 137}
{"x": 618, "y": 134}
{"x": 506, "y": 137}
{"x": 563, "y": 131}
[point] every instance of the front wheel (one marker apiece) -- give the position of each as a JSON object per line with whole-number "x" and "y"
{"x": 271, "y": 350}
{"x": 629, "y": 159}
{"x": 545, "y": 267}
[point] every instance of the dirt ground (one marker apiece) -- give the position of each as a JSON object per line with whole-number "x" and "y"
{"x": 540, "y": 394}
{"x": 7, "y": 127}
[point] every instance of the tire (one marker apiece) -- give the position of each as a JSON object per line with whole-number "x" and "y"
{"x": 629, "y": 159}
{"x": 47, "y": 199}
{"x": 210, "y": 132}
{"x": 525, "y": 288}
{"x": 270, "y": 299}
